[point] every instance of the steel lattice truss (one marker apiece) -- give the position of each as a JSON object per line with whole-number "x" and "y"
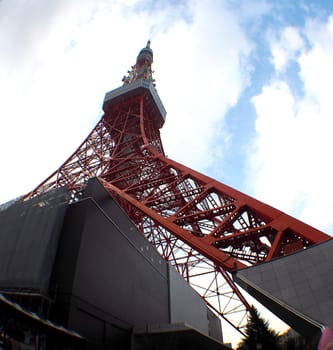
{"x": 201, "y": 226}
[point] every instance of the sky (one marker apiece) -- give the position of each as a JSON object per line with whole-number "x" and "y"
{"x": 246, "y": 85}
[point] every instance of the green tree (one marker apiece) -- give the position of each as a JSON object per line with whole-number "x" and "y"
{"x": 258, "y": 334}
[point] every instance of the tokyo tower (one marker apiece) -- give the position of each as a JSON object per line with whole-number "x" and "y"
{"x": 201, "y": 226}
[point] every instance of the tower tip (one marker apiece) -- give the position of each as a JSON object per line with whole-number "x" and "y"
{"x": 142, "y": 68}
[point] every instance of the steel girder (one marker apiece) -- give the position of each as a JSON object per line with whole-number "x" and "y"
{"x": 201, "y": 226}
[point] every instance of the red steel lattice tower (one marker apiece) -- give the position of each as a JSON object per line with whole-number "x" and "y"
{"x": 201, "y": 226}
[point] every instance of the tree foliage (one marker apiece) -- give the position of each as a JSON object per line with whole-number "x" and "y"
{"x": 258, "y": 334}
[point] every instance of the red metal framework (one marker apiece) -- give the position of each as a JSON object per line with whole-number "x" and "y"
{"x": 201, "y": 226}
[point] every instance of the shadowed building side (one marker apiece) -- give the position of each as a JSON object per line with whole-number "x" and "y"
{"x": 99, "y": 275}
{"x": 297, "y": 288}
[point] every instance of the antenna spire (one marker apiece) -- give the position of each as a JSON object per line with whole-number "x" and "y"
{"x": 142, "y": 68}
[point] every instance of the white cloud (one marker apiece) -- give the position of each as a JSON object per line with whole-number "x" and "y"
{"x": 205, "y": 78}
{"x": 286, "y": 47}
{"x": 271, "y": 161}
{"x": 290, "y": 163}
{"x": 62, "y": 56}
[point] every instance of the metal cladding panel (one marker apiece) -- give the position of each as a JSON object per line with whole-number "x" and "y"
{"x": 29, "y": 233}
{"x": 118, "y": 277}
{"x": 186, "y": 306}
{"x": 214, "y": 326}
{"x": 101, "y": 335}
{"x": 298, "y": 287}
